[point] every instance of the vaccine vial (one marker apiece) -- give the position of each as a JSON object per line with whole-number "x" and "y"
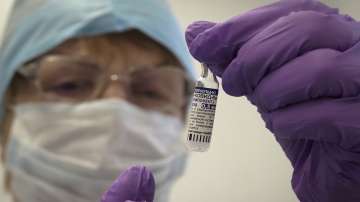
{"x": 202, "y": 112}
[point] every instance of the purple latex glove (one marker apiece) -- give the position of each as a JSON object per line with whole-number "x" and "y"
{"x": 134, "y": 185}
{"x": 298, "y": 61}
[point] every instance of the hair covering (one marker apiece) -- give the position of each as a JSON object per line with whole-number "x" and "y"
{"x": 37, "y": 26}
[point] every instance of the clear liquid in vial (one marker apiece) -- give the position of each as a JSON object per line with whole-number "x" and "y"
{"x": 202, "y": 113}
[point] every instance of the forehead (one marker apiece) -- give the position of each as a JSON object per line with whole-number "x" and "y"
{"x": 131, "y": 48}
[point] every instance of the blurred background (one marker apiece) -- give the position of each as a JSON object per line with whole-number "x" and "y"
{"x": 244, "y": 163}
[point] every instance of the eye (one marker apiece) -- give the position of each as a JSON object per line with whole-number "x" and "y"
{"x": 147, "y": 91}
{"x": 76, "y": 88}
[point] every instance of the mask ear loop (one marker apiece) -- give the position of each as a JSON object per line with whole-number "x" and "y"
{"x": 28, "y": 72}
{"x": 8, "y": 116}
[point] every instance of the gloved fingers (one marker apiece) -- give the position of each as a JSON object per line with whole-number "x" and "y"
{"x": 317, "y": 74}
{"x": 218, "y": 43}
{"x": 283, "y": 41}
{"x": 333, "y": 121}
{"x": 193, "y": 31}
{"x": 135, "y": 184}
{"x": 196, "y": 28}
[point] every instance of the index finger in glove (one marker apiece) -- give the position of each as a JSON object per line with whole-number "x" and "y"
{"x": 283, "y": 41}
{"x": 136, "y": 184}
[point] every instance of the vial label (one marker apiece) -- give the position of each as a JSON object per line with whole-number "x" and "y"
{"x": 202, "y": 114}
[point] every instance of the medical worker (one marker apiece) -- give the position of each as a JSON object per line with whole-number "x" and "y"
{"x": 79, "y": 101}
{"x": 88, "y": 89}
{"x": 298, "y": 61}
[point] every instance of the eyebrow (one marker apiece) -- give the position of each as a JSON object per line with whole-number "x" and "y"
{"x": 167, "y": 60}
{"x": 78, "y": 59}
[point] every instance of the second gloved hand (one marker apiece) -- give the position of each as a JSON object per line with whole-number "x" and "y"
{"x": 134, "y": 185}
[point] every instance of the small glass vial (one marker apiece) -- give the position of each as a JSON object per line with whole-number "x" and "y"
{"x": 202, "y": 113}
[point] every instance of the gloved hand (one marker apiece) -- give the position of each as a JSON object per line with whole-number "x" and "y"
{"x": 134, "y": 185}
{"x": 298, "y": 61}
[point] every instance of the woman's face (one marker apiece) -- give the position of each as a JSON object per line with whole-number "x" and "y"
{"x": 126, "y": 66}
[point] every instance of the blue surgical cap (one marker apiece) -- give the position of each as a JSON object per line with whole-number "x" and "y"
{"x": 37, "y": 26}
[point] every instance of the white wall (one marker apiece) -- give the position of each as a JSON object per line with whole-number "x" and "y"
{"x": 4, "y": 10}
{"x": 351, "y": 7}
{"x": 245, "y": 163}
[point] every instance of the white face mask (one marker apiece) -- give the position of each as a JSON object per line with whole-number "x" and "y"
{"x": 73, "y": 152}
